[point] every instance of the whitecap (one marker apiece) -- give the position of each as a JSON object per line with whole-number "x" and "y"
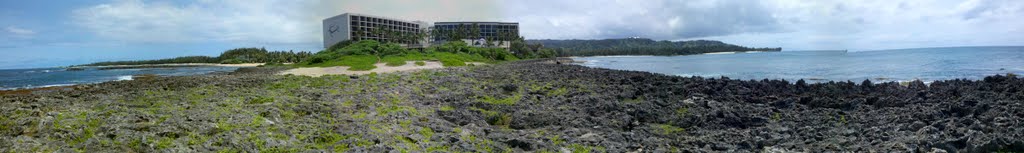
{"x": 124, "y": 77}
{"x": 55, "y": 85}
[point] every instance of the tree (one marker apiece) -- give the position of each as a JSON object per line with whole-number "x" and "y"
{"x": 636, "y": 46}
{"x": 474, "y": 31}
{"x": 520, "y": 49}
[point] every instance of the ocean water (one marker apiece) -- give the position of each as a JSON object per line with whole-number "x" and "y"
{"x": 48, "y": 77}
{"x": 926, "y": 64}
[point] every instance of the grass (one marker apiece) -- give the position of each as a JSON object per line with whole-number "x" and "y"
{"x": 260, "y": 100}
{"x": 427, "y": 133}
{"x": 495, "y": 118}
{"x": 578, "y": 148}
{"x": 447, "y": 108}
{"x": 667, "y": 129}
{"x": 510, "y": 100}
{"x": 354, "y": 62}
{"x": 457, "y": 59}
{"x": 682, "y": 111}
{"x": 81, "y": 125}
{"x": 556, "y": 139}
{"x": 558, "y": 92}
{"x": 366, "y": 62}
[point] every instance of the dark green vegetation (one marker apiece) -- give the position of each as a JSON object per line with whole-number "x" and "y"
{"x": 521, "y": 106}
{"x": 634, "y": 46}
{"x": 472, "y": 31}
{"x": 525, "y": 50}
{"x": 362, "y": 55}
{"x": 233, "y": 56}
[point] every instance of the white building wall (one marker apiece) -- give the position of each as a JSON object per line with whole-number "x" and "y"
{"x": 336, "y": 29}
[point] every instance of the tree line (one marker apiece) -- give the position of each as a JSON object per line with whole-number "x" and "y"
{"x": 640, "y": 46}
{"x": 460, "y": 32}
{"x": 517, "y": 44}
{"x": 472, "y": 31}
{"x": 233, "y": 56}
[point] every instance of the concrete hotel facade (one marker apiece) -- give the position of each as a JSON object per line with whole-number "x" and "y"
{"x": 488, "y": 30}
{"x": 352, "y": 26}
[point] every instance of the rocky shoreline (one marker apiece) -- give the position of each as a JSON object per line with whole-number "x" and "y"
{"x": 524, "y": 106}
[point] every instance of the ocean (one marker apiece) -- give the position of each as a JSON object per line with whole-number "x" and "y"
{"x": 48, "y": 77}
{"x": 926, "y": 64}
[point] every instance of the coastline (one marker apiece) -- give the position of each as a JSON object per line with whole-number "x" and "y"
{"x": 533, "y": 105}
{"x": 166, "y": 65}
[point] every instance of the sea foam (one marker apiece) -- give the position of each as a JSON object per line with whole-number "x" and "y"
{"x": 124, "y": 77}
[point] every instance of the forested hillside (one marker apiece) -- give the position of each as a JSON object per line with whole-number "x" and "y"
{"x": 640, "y": 46}
{"x": 233, "y": 56}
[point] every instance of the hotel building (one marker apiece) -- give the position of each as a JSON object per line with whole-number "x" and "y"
{"x": 502, "y": 32}
{"x": 352, "y": 26}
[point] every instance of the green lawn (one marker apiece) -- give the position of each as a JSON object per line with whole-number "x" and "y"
{"x": 365, "y": 62}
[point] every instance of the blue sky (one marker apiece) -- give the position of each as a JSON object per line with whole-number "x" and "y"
{"x": 61, "y": 33}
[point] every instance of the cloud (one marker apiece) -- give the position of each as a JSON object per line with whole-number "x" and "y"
{"x": 827, "y": 24}
{"x": 198, "y": 21}
{"x": 19, "y": 31}
{"x": 251, "y": 21}
{"x": 659, "y": 19}
{"x": 424, "y": 10}
{"x": 791, "y": 24}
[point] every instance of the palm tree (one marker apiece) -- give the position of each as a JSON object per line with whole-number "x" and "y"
{"x": 474, "y": 31}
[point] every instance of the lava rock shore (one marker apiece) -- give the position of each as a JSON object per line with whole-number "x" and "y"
{"x": 524, "y": 106}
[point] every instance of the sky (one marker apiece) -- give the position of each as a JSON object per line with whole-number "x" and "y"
{"x": 61, "y": 33}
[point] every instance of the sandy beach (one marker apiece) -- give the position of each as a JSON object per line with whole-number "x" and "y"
{"x": 381, "y": 68}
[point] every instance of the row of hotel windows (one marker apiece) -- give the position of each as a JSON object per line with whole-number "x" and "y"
{"x": 373, "y": 20}
{"x": 401, "y": 29}
{"x": 481, "y": 26}
{"x": 485, "y": 30}
{"x": 368, "y": 36}
{"x": 371, "y": 24}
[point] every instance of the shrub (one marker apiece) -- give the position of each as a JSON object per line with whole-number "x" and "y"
{"x": 363, "y": 54}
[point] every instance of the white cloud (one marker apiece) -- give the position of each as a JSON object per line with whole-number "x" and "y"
{"x": 199, "y": 21}
{"x": 792, "y": 24}
{"x": 252, "y": 21}
{"x": 658, "y": 19}
{"x": 19, "y": 31}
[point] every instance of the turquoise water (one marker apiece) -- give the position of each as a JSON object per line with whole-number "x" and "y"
{"x": 926, "y": 64}
{"x": 46, "y": 77}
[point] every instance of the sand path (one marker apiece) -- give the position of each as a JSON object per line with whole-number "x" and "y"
{"x": 381, "y": 68}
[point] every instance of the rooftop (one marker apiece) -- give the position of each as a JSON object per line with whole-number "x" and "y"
{"x": 374, "y": 16}
{"x": 479, "y": 22}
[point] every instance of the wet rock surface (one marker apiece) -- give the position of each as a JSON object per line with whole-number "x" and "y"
{"x": 534, "y": 106}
